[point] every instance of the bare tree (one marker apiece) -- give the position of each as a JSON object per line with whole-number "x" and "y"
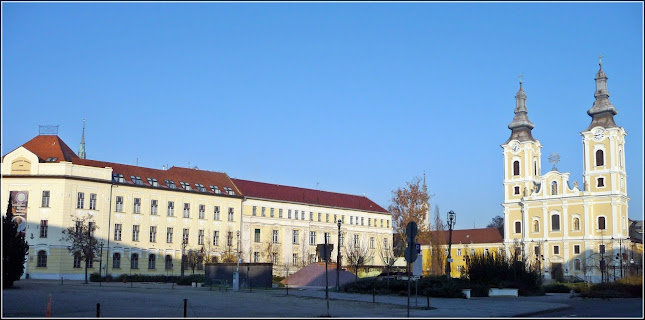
{"x": 228, "y": 254}
{"x": 410, "y": 204}
{"x": 272, "y": 251}
{"x": 304, "y": 250}
{"x": 209, "y": 250}
{"x": 195, "y": 258}
{"x": 357, "y": 254}
{"x": 389, "y": 254}
{"x": 84, "y": 245}
{"x": 437, "y": 242}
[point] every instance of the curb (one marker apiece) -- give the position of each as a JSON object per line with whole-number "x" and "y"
{"x": 530, "y": 314}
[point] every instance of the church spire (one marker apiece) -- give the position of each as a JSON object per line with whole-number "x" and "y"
{"x": 602, "y": 112}
{"x": 521, "y": 126}
{"x": 81, "y": 149}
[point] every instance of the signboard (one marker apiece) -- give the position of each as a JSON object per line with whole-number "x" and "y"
{"x": 410, "y": 254}
{"x": 417, "y": 267}
{"x": 418, "y": 247}
{"x": 19, "y": 201}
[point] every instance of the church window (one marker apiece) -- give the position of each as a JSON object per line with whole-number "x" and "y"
{"x": 601, "y": 223}
{"x": 556, "y": 249}
{"x": 576, "y": 249}
{"x": 620, "y": 157}
{"x": 576, "y": 224}
{"x": 518, "y": 227}
{"x": 516, "y": 190}
{"x": 600, "y": 158}
{"x": 601, "y": 182}
{"x": 535, "y": 167}
{"x": 555, "y": 222}
{"x": 516, "y": 168}
{"x": 554, "y": 188}
{"x": 576, "y": 264}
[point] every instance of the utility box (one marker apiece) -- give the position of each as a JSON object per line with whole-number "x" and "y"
{"x": 236, "y": 281}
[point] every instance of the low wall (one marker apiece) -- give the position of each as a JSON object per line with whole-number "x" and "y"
{"x": 506, "y": 292}
{"x": 251, "y": 274}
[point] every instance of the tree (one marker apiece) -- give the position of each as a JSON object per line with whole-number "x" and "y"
{"x": 194, "y": 258}
{"x": 304, "y": 250}
{"x": 437, "y": 242}
{"x": 228, "y": 255}
{"x": 14, "y": 250}
{"x": 83, "y": 245}
{"x": 389, "y": 255}
{"x": 357, "y": 254}
{"x": 410, "y": 204}
{"x": 272, "y": 251}
{"x": 497, "y": 222}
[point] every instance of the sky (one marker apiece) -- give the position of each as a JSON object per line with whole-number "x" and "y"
{"x": 355, "y": 98}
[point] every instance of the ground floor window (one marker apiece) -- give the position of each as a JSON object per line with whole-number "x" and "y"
{"x": 42, "y": 259}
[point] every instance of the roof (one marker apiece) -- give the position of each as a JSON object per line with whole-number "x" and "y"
{"x": 468, "y": 236}
{"x": 49, "y": 148}
{"x": 278, "y": 192}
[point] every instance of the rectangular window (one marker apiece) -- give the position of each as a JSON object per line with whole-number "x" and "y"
{"x": 153, "y": 207}
{"x": 335, "y": 218}
{"x": 264, "y": 211}
{"x": 45, "y": 201}
{"x": 135, "y": 233}
{"x": 371, "y": 242}
{"x": 295, "y": 237}
{"x": 216, "y": 213}
{"x": 134, "y": 261}
{"x": 328, "y": 237}
{"x": 229, "y": 239}
{"x": 486, "y": 251}
{"x": 556, "y": 249}
{"x": 296, "y": 215}
{"x": 601, "y": 182}
{"x": 326, "y": 217}
{"x": 318, "y": 216}
{"x": 184, "y": 237}
{"x": 119, "y": 204}
{"x": 200, "y": 237}
{"x": 80, "y": 200}
{"x": 186, "y": 210}
{"x": 458, "y": 252}
{"x": 311, "y": 216}
{"x": 92, "y": 201}
{"x": 42, "y": 259}
{"x": 117, "y": 232}
{"x": 555, "y": 222}
{"x": 137, "y": 205}
{"x": 256, "y": 237}
{"x": 362, "y": 219}
{"x": 256, "y": 257}
{"x": 230, "y": 214}
{"x": 356, "y": 239}
{"x": 602, "y": 249}
{"x": 274, "y": 236}
{"x": 342, "y": 240}
{"x": 369, "y": 222}
{"x": 289, "y": 214}
{"x": 77, "y": 260}
{"x": 202, "y": 211}
{"x": 312, "y": 237}
{"x": 153, "y": 233}
{"x": 537, "y": 250}
{"x": 216, "y": 238}
{"x": 302, "y": 215}
{"x": 295, "y": 259}
{"x": 272, "y": 212}
{"x": 472, "y": 252}
{"x": 381, "y": 223}
{"x": 171, "y": 208}
{"x": 169, "y": 235}
{"x": 43, "y": 228}
{"x": 385, "y": 243}
{"x": 351, "y": 219}
{"x": 279, "y": 213}
{"x": 255, "y": 209}
{"x": 388, "y": 223}
{"x": 576, "y": 249}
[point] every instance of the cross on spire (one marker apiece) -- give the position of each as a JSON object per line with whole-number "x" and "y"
{"x": 521, "y": 78}
{"x": 600, "y": 60}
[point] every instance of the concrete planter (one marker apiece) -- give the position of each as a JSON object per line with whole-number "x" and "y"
{"x": 506, "y": 292}
{"x": 466, "y": 293}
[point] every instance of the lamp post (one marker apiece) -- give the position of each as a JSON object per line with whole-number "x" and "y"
{"x": 237, "y": 233}
{"x": 539, "y": 258}
{"x": 620, "y": 254}
{"x": 452, "y": 219}
{"x": 338, "y": 261}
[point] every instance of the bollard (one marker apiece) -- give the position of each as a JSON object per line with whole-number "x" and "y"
{"x": 185, "y": 306}
{"x": 61, "y": 281}
{"x": 98, "y": 310}
{"x": 428, "y": 297}
{"x": 48, "y": 312}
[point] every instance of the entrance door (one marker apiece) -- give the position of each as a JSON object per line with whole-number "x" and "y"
{"x": 556, "y": 272}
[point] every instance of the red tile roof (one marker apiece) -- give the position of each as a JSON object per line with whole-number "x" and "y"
{"x": 467, "y": 236}
{"x": 263, "y": 190}
{"x": 49, "y": 146}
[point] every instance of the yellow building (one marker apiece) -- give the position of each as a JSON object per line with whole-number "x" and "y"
{"x": 142, "y": 214}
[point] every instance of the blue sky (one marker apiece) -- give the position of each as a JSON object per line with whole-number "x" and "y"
{"x": 348, "y": 97}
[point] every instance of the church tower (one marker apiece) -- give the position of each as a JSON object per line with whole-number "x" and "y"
{"x": 81, "y": 149}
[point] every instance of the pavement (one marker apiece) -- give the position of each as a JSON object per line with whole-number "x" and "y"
{"x": 117, "y": 299}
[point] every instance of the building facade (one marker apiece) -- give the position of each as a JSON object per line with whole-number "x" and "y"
{"x": 147, "y": 219}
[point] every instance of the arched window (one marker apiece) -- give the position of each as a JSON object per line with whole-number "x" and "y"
{"x": 576, "y": 264}
{"x": 600, "y": 158}
{"x": 536, "y": 226}
{"x": 576, "y": 224}
{"x": 134, "y": 261}
{"x": 535, "y": 167}
{"x": 116, "y": 261}
{"x": 516, "y": 168}
{"x": 518, "y": 227}
{"x": 554, "y": 188}
{"x": 168, "y": 262}
{"x": 601, "y": 223}
{"x": 555, "y": 222}
{"x": 151, "y": 261}
{"x": 42, "y": 259}
{"x": 620, "y": 157}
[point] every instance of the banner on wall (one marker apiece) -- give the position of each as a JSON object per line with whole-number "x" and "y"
{"x": 19, "y": 201}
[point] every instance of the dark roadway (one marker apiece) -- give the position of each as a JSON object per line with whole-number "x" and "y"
{"x": 600, "y": 308}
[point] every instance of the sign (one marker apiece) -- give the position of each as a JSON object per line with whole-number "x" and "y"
{"x": 410, "y": 254}
{"x": 418, "y": 247}
{"x": 19, "y": 201}
{"x": 417, "y": 267}
{"x": 411, "y": 231}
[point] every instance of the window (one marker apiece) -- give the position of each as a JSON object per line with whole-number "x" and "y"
{"x": 576, "y": 224}
{"x": 311, "y": 216}
{"x": 216, "y": 189}
{"x": 45, "y": 200}
{"x": 186, "y": 210}
{"x": 302, "y": 215}
{"x": 295, "y": 237}
{"x": 171, "y": 208}
{"x": 256, "y": 237}
{"x": 202, "y": 211}
{"x": 117, "y": 232}
{"x": 116, "y": 260}
{"x": 80, "y": 200}
{"x": 200, "y": 187}
{"x": 518, "y": 227}
{"x": 135, "y": 233}
{"x": 535, "y": 167}
{"x": 151, "y": 261}
{"x": 601, "y": 248}
{"x": 200, "y": 237}
{"x": 134, "y": 261}
{"x": 216, "y": 238}
{"x": 153, "y": 233}
{"x": 516, "y": 190}
{"x": 326, "y": 217}
{"x": 600, "y": 158}
{"x": 230, "y": 214}
{"x": 555, "y": 222}
{"x": 43, "y": 228}
{"x": 319, "y": 214}
{"x": 335, "y": 218}
{"x": 369, "y": 222}
{"x": 536, "y": 226}
{"x": 274, "y": 237}
{"x": 264, "y": 212}
{"x": 216, "y": 213}
{"x": 388, "y": 223}
{"x": 556, "y": 249}
{"x": 153, "y": 207}
{"x": 486, "y": 251}
{"x": 356, "y": 239}
{"x": 77, "y": 260}
{"x": 576, "y": 249}
{"x": 153, "y": 182}
{"x": 289, "y": 214}
{"x": 328, "y": 237}
{"x": 229, "y": 239}
{"x": 274, "y": 258}
{"x": 295, "y": 216}
{"x": 136, "y": 180}
{"x": 168, "y": 265}
{"x": 116, "y": 177}
{"x": 371, "y": 242}
{"x": 137, "y": 205}
{"x": 576, "y": 264}
{"x": 92, "y": 201}
{"x": 272, "y": 212}
{"x": 279, "y": 213}
{"x": 458, "y": 252}
{"x": 516, "y": 168}
{"x": 295, "y": 259}
{"x": 381, "y": 223}
{"x": 537, "y": 250}
{"x": 184, "y": 236}
{"x": 472, "y": 252}
{"x": 601, "y": 223}
{"x": 255, "y": 209}
{"x": 351, "y": 219}
{"x": 169, "y": 235}
{"x": 601, "y": 182}
{"x": 42, "y": 259}
{"x": 385, "y": 243}
{"x": 256, "y": 257}
{"x": 119, "y": 204}
{"x": 362, "y": 219}
{"x": 92, "y": 227}
{"x": 312, "y": 237}
{"x": 554, "y": 188}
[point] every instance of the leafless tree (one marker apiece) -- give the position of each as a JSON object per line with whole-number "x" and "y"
{"x": 304, "y": 250}
{"x": 194, "y": 258}
{"x": 389, "y": 254}
{"x": 230, "y": 246}
{"x": 83, "y": 243}
{"x": 437, "y": 243}
{"x": 357, "y": 254}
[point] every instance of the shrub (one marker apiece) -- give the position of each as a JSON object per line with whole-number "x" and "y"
{"x": 95, "y": 277}
{"x": 479, "y": 290}
{"x": 556, "y": 288}
{"x": 498, "y": 271}
{"x": 188, "y": 280}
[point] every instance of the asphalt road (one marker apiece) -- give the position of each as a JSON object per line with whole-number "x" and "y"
{"x": 599, "y": 308}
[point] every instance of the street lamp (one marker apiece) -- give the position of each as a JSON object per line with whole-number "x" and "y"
{"x": 452, "y": 219}
{"x": 338, "y": 259}
{"x": 620, "y": 254}
{"x": 237, "y": 233}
